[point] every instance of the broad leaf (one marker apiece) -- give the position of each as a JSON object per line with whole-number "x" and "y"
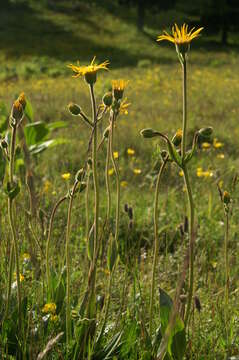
{"x": 35, "y": 133}
{"x": 37, "y": 149}
{"x": 3, "y": 117}
{"x": 29, "y": 111}
{"x": 56, "y": 125}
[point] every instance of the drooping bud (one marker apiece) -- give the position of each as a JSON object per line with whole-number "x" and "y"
{"x": 206, "y": 132}
{"x": 177, "y": 138}
{"x": 108, "y": 99}
{"x": 148, "y": 133}
{"x": 74, "y": 109}
{"x": 17, "y": 113}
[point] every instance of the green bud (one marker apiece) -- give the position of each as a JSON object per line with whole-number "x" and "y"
{"x": 177, "y": 139}
{"x": 206, "y": 132}
{"x": 4, "y": 144}
{"x": 90, "y": 77}
{"x": 148, "y": 133}
{"x": 74, "y": 109}
{"x": 17, "y": 113}
{"x": 80, "y": 175}
{"x": 108, "y": 99}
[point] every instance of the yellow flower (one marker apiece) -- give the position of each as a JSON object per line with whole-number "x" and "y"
{"x": 205, "y": 174}
{"x": 118, "y": 87}
{"x": 130, "y": 151}
{"x": 220, "y": 156}
{"x": 206, "y": 145}
{"x": 199, "y": 172}
{"x": 116, "y": 154}
{"x": 181, "y": 173}
{"x": 46, "y": 187}
{"x": 66, "y": 176}
{"x": 180, "y": 36}
{"x": 21, "y": 277}
{"x": 217, "y": 144}
{"x": 54, "y": 318}
{"x": 124, "y": 183}
{"x": 124, "y": 107}
{"x": 111, "y": 171}
{"x": 49, "y": 308}
{"x": 89, "y": 71}
{"x": 137, "y": 171}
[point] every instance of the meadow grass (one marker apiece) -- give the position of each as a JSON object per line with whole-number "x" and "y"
{"x": 154, "y": 92}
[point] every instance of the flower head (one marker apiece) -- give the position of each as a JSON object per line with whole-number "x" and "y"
{"x": 89, "y": 71}
{"x": 181, "y": 37}
{"x": 49, "y": 308}
{"x": 118, "y": 87}
{"x": 66, "y": 176}
{"x": 130, "y": 152}
{"x": 124, "y": 107}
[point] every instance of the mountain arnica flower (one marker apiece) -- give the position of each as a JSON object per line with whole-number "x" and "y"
{"x": 89, "y": 71}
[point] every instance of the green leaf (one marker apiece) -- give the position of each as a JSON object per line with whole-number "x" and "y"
{"x": 38, "y": 148}
{"x": 56, "y": 125}
{"x": 177, "y": 339}
{"x": 12, "y": 190}
{"x": 35, "y": 133}
{"x": 173, "y": 153}
{"x": 29, "y": 111}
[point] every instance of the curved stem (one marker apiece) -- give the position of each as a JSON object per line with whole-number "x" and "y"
{"x": 191, "y": 242}
{"x": 156, "y": 243}
{"x": 115, "y": 165}
{"x": 59, "y": 202}
{"x": 67, "y": 252}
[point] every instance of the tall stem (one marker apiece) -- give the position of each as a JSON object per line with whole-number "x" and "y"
{"x": 68, "y": 274}
{"x": 87, "y": 204}
{"x": 115, "y": 165}
{"x": 191, "y": 242}
{"x": 156, "y": 243}
{"x": 13, "y": 231}
{"x": 48, "y": 242}
{"x": 183, "y": 144}
{"x": 107, "y": 179}
{"x": 226, "y": 271}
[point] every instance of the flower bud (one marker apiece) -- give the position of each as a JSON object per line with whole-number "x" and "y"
{"x": 3, "y": 144}
{"x": 226, "y": 198}
{"x": 148, "y": 133}
{"x": 17, "y": 113}
{"x": 80, "y": 175}
{"x": 74, "y": 109}
{"x": 206, "y": 132}
{"x": 90, "y": 77}
{"x": 130, "y": 213}
{"x": 22, "y": 100}
{"x": 177, "y": 139}
{"x": 107, "y": 99}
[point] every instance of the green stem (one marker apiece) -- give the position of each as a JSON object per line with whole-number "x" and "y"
{"x": 115, "y": 165}
{"x": 87, "y": 204}
{"x": 13, "y": 230}
{"x": 48, "y": 242}
{"x": 191, "y": 242}
{"x": 226, "y": 270}
{"x": 156, "y": 243}
{"x": 183, "y": 144}
{"x": 107, "y": 182}
{"x": 107, "y": 307}
{"x": 67, "y": 252}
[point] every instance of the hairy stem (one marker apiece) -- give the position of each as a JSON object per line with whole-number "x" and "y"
{"x": 156, "y": 243}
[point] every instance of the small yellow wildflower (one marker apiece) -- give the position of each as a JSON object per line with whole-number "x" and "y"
{"x": 124, "y": 183}
{"x": 205, "y": 174}
{"x": 181, "y": 173}
{"x": 54, "y": 318}
{"x": 180, "y": 36}
{"x": 220, "y": 156}
{"x": 49, "y": 308}
{"x": 21, "y": 277}
{"x": 88, "y": 69}
{"x": 130, "y": 151}
{"x": 116, "y": 154}
{"x": 206, "y": 145}
{"x": 124, "y": 107}
{"x": 199, "y": 172}
{"x": 217, "y": 144}
{"x": 111, "y": 171}
{"x": 137, "y": 171}
{"x": 66, "y": 176}
{"x": 118, "y": 87}
{"x": 46, "y": 186}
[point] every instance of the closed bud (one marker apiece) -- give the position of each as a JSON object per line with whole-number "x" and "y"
{"x": 177, "y": 139}
{"x": 74, "y": 109}
{"x": 206, "y": 132}
{"x": 108, "y": 99}
{"x": 130, "y": 213}
{"x": 226, "y": 198}
{"x": 17, "y": 113}
{"x": 148, "y": 133}
{"x": 4, "y": 144}
{"x": 80, "y": 175}
{"x": 22, "y": 100}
